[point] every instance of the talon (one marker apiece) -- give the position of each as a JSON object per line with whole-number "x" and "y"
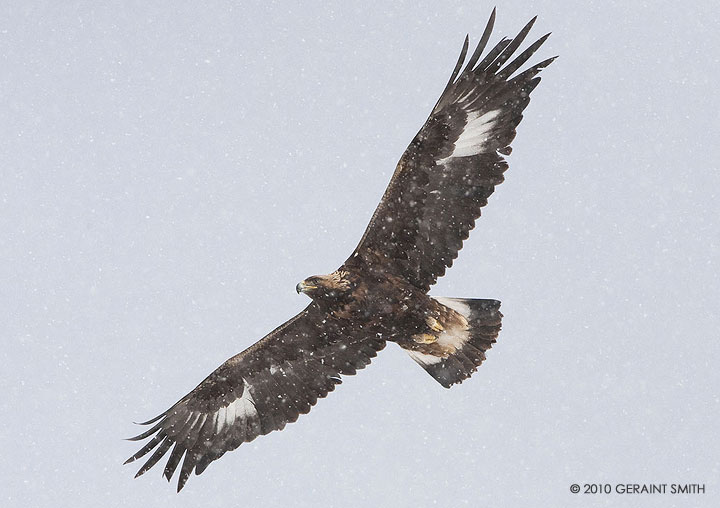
{"x": 424, "y": 338}
{"x": 434, "y": 324}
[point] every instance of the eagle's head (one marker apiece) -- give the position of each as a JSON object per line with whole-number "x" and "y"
{"x": 333, "y": 286}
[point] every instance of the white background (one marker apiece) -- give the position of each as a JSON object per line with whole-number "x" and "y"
{"x": 170, "y": 170}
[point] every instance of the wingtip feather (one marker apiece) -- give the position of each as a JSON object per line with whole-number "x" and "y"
{"x": 546, "y": 62}
{"x": 150, "y": 421}
{"x": 482, "y": 44}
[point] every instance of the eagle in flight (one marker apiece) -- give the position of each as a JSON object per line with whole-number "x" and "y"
{"x": 380, "y": 293}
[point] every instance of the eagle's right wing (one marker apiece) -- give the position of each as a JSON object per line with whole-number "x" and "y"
{"x": 255, "y": 392}
{"x": 453, "y": 164}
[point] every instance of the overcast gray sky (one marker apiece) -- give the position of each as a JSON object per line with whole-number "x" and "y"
{"x": 170, "y": 170}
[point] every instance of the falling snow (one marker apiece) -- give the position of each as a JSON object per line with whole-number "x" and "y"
{"x": 169, "y": 175}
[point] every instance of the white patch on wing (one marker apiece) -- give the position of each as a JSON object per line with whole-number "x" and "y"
{"x": 474, "y": 135}
{"x": 195, "y": 421}
{"x": 422, "y": 358}
{"x": 242, "y": 407}
{"x": 230, "y": 414}
{"x": 200, "y": 421}
{"x": 220, "y": 419}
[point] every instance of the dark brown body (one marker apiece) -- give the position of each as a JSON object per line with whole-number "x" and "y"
{"x": 363, "y": 296}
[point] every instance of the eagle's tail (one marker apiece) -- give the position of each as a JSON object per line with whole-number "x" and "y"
{"x": 469, "y": 341}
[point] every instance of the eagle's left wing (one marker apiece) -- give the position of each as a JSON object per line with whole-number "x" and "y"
{"x": 257, "y": 391}
{"x": 453, "y": 164}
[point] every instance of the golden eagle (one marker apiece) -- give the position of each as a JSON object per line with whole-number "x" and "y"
{"x": 379, "y": 294}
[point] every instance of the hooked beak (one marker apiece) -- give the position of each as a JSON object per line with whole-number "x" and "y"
{"x": 302, "y": 287}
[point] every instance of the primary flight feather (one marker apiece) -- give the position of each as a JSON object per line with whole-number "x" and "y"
{"x": 379, "y": 294}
